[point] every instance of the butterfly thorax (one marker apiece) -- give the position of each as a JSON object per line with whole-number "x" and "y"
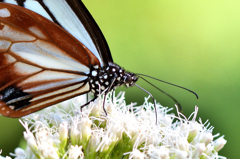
{"x": 107, "y": 78}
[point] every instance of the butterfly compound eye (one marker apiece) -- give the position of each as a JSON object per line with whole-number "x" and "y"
{"x": 130, "y": 79}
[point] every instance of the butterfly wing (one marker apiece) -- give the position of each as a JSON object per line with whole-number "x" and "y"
{"x": 73, "y": 16}
{"x": 40, "y": 63}
{"x": 93, "y": 30}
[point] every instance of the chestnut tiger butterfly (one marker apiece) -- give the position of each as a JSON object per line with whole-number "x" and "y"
{"x": 51, "y": 51}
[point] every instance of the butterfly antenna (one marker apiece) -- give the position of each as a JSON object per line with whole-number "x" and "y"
{"x": 167, "y": 83}
{"x": 154, "y": 102}
{"x": 177, "y": 103}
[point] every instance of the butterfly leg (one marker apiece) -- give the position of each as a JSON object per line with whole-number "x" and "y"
{"x": 108, "y": 89}
{"x": 87, "y": 96}
{"x": 104, "y": 104}
{"x": 84, "y": 105}
{"x": 112, "y": 94}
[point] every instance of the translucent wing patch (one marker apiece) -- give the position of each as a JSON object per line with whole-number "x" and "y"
{"x": 62, "y": 14}
{"x": 69, "y": 21}
{"x": 40, "y": 63}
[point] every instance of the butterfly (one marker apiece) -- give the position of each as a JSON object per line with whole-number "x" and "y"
{"x": 44, "y": 62}
{"x": 51, "y": 51}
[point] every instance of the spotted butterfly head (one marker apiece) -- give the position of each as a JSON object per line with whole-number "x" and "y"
{"x": 130, "y": 79}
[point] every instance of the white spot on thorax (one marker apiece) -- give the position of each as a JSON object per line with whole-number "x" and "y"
{"x": 113, "y": 69}
{"x": 96, "y": 66}
{"x": 94, "y": 73}
{"x": 105, "y": 76}
{"x": 4, "y": 13}
{"x": 102, "y": 87}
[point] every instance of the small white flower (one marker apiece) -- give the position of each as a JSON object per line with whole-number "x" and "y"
{"x": 96, "y": 108}
{"x": 104, "y": 145}
{"x": 209, "y": 149}
{"x": 158, "y": 152}
{"x": 46, "y": 145}
{"x": 94, "y": 141}
{"x": 183, "y": 144}
{"x": 85, "y": 131}
{"x": 136, "y": 154}
{"x": 178, "y": 154}
{"x": 207, "y": 138}
{"x": 75, "y": 152}
{"x": 63, "y": 135}
{"x": 29, "y": 137}
{"x": 194, "y": 130}
{"x": 219, "y": 143}
{"x": 198, "y": 150}
{"x": 74, "y": 132}
{"x": 20, "y": 153}
{"x": 126, "y": 131}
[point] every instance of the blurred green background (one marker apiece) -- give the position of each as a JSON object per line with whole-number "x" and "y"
{"x": 195, "y": 44}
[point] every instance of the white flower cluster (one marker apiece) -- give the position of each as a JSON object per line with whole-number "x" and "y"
{"x": 126, "y": 132}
